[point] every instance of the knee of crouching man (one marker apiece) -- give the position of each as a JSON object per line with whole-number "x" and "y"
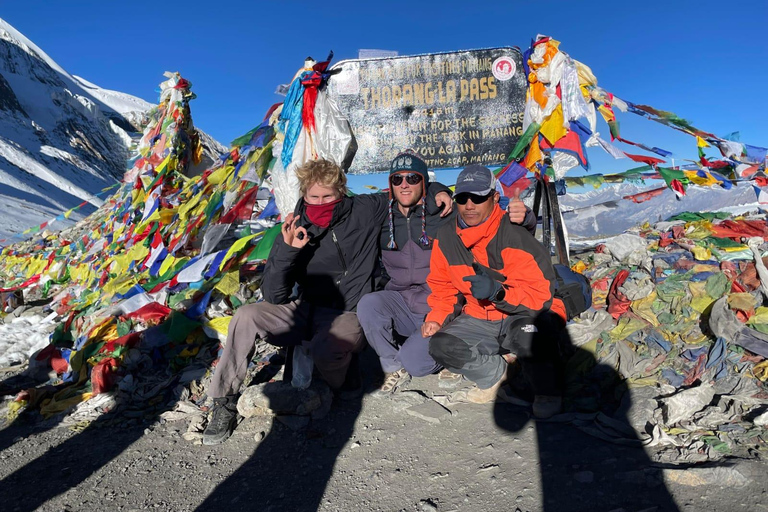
{"x": 448, "y": 350}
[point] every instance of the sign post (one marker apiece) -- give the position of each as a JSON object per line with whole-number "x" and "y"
{"x": 453, "y": 108}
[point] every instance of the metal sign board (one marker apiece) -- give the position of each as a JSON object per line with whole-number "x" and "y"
{"x": 452, "y": 108}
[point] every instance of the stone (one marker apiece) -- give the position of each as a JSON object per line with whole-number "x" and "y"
{"x": 294, "y": 423}
{"x": 427, "y": 506}
{"x": 762, "y": 420}
{"x": 281, "y": 398}
{"x": 719, "y": 476}
{"x": 430, "y": 411}
{"x": 584, "y": 477}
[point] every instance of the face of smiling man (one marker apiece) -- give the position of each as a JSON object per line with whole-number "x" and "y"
{"x": 406, "y": 194}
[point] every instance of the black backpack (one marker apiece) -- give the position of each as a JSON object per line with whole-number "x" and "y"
{"x": 573, "y": 289}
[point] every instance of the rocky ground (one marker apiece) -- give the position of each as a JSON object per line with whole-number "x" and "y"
{"x": 401, "y": 453}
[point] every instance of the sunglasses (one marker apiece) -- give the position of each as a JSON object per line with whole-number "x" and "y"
{"x": 476, "y": 199}
{"x": 410, "y": 178}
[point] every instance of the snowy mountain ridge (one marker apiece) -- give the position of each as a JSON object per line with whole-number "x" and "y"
{"x": 62, "y": 138}
{"x": 604, "y": 212}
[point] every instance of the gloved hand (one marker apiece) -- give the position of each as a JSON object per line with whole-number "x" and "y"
{"x": 481, "y": 285}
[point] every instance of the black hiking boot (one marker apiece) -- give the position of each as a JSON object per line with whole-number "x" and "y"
{"x": 222, "y": 421}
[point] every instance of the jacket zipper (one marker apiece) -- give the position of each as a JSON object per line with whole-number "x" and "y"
{"x": 341, "y": 257}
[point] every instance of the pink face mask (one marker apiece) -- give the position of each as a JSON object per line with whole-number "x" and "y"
{"x": 321, "y": 214}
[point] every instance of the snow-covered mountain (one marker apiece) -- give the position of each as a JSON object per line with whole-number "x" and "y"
{"x": 62, "y": 138}
{"x": 604, "y": 211}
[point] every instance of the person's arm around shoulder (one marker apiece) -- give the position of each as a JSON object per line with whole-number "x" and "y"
{"x": 439, "y": 199}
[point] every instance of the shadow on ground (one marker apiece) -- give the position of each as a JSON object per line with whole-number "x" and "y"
{"x": 581, "y": 472}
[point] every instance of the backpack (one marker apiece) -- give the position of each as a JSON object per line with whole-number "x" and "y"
{"x": 573, "y": 289}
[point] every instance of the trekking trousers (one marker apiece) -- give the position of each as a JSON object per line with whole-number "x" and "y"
{"x": 473, "y": 348}
{"x": 384, "y": 315}
{"x": 331, "y": 336}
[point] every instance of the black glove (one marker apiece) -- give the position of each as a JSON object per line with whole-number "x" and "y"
{"x": 482, "y": 286}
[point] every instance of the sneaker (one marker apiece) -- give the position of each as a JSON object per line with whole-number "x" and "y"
{"x": 446, "y": 379}
{"x": 545, "y": 406}
{"x": 222, "y": 421}
{"x": 484, "y": 396}
{"x": 392, "y": 381}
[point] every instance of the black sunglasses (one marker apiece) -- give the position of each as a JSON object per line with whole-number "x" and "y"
{"x": 411, "y": 178}
{"x": 476, "y": 199}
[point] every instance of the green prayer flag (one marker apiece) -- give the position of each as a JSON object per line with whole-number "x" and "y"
{"x": 524, "y": 141}
{"x": 261, "y": 252}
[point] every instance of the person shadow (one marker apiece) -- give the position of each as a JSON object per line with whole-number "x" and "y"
{"x": 590, "y": 458}
{"x": 291, "y": 467}
{"x": 68, "y": 464}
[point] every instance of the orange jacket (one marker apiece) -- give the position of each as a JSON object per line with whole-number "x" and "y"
{"x": 512, "y": 254}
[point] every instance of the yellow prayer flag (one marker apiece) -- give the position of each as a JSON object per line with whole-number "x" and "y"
{"x": 552, "y": 128}
{"x": 220, "y": 325}
{"x": 236, "y": 247}
{"x": 229, "y": 283}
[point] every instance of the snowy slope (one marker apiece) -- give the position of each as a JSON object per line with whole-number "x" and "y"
{"x": 62, "y": 138}
{"x": 591, "y": 217}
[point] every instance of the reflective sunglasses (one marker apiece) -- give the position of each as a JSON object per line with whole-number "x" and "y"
{"x": 411, "y": 178}
{"x": 476, "y": 199}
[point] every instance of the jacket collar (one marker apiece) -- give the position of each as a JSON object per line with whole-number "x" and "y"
{"x": 471, "y": 236}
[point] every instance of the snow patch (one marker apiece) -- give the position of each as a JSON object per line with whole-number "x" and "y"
{"x": 22, "y": 337}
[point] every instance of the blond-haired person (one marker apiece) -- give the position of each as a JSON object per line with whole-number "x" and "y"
{"x": 314, "y": 277}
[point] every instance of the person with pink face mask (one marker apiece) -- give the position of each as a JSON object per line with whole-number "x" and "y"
{"x": 316, "y": 273}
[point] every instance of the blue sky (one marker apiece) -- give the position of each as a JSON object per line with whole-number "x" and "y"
{"x": 706, "y": 61}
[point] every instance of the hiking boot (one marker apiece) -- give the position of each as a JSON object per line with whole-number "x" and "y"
{"x": 392, "y": 381}
{"x": 545, "y": 406}
{"x": 484, "y": 396}
{"x": 446, "y": 379}
{"x": 222, "y": 421}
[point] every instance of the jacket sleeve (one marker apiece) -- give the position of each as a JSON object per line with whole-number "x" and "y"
{"x": 527, "y": 289}
{"x": 433, "y": 189}
{"x": 279, "y": 279}
{"x": 530, "y": 221}
{"x": 444, "y": 297}
{"x": 377, "y": 204}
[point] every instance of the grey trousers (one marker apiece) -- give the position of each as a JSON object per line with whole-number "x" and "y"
{"x": 384, "y": 313}
{"x": 330, "y": 335}
{"x": 474, "y": 348}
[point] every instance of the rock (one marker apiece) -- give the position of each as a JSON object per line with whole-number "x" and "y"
{"x": 430, "y": 411}
{"x": 762, "y": 420}
{"x": 584, "y": 477}
{"x": 427, "y": 506}
{"x": 402, "y": 400}
{"x": 282, "y": 399}
{"x": 719, "y": 476}
{"x": 294, "y": 423}
{"x": 637, "y": 406}
{"x": 684, "y": 404}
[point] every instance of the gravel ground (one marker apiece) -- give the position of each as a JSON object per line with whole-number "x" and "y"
{"x": 366, "y": 454}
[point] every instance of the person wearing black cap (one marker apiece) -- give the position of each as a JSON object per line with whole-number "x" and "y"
{"x": 315, "y": 276}
{"x": 391, "y": 319}
{"x": 507, "y": 279}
